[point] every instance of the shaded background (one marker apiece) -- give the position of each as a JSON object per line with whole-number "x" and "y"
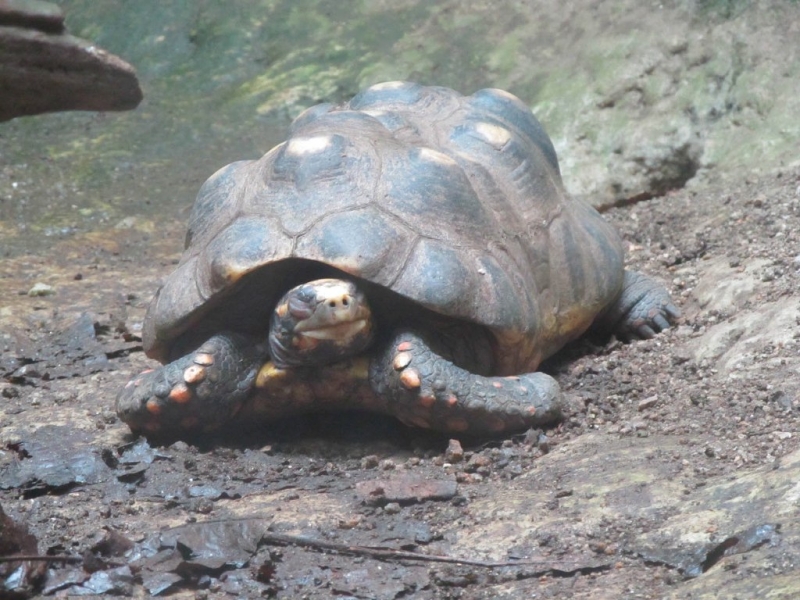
{"x": 639, "y": 97}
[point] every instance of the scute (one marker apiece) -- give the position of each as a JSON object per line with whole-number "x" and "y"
{"x": 216, "y": 204}
{"x": 316, "y": 177}
{"x": 454, "y": 202}
{"x": 509, "y": 109}
{"x": 426, "y": 188}
{"x": 437, "y": 277}
{"x": 390, "y": 92}
{"x": 365, "y": 243}
{"x": 249, "y": 243}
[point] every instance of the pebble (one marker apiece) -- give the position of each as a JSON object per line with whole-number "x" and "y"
{"x": 454, "y": 452}
{"x": 369, "y": 462}
{"x": 648, "y": 402}
{"x": 392, "y": 508}
{"x": 41, "y": 289}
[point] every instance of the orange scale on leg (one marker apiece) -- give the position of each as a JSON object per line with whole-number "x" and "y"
{"x": 410, "y": 379}
{"x": 401, "y": 361}
{"x": 180, "y": 394}
{"x": 427, "y": 401}
{"x": 204, "y": 359}
{"x": 194, "y": 374}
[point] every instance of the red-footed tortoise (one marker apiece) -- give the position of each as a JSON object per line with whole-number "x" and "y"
{"x": 412, "y": 252}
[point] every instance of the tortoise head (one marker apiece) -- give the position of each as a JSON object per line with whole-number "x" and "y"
{"x": 320, "y": 322}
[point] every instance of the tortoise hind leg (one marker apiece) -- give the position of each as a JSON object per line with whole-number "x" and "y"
{"x": 199, "y": 391}
{"x": 424, "y": 389}
{"x": 642, "y": 309}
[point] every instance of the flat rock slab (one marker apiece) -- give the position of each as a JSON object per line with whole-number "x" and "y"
{"x": 714, "y": 536}
{"x": 44, "y": 69}
{"x": 406, "y": 489}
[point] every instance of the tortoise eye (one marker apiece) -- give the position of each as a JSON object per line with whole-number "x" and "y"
{"x": 299, "y": 309}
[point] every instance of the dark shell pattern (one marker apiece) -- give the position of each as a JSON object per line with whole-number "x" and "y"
{"x": 454, "y": 202}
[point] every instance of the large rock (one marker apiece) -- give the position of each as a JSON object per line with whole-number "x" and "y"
{"x": 44, "y": 69}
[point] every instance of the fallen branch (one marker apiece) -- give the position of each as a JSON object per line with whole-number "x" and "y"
{"x": 392, "y": 554}
{"x": 40, "y": 558}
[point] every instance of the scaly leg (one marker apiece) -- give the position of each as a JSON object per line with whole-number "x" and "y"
{"x": 425, "y": 389}
{"x": 199, "y": 391}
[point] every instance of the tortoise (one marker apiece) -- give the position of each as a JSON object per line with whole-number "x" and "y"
{"x": 410, "y": 252}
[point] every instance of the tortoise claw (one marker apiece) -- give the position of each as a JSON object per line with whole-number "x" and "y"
{"x": 645, "y": 332}
{"x": 660, "y": 322}
{"x": 643, "y": 309}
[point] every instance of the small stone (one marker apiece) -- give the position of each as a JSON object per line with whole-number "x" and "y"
{"x": 454, "y": 452}
{"x": 648, "y": 402}
{"x": 369, "y": 462}
{"x": 477, "y": 462}
{"x": 180, "y": 446}
{"x": 10, "y": 392}
{"x": 350, "y": 522}
{"x": 543, "y": 443}
{"x": 532, "y": 437}
{"x": 41, "y": 289}
{"x": 405, "y": 489}
{"x": 392, "y": 508}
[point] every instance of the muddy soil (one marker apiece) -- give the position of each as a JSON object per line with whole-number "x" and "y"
{"x": 674, "y": 451}
{"x": 673, "y": 475}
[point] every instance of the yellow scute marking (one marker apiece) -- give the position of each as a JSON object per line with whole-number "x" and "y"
{"x": 494, "y": 134}
{"x": 308, "y": 145}
{"x": 387, "y": 85}
{"x": 435, "y": 156}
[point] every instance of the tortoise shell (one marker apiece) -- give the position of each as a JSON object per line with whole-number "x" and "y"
{"x": 454, "y": 203}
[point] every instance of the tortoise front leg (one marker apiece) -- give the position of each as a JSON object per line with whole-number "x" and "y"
{"x": 199, "y": 391}
{"x": 424, "y": 389}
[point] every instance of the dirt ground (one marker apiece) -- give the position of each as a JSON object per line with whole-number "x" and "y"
{"x": 673, "y": 475}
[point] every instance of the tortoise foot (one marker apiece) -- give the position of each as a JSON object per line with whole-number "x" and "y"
{"x": 199, "y": 391}
{"x": 643, "y": 309}
{"x": 424, "y": 389}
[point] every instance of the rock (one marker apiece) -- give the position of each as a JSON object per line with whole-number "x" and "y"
{"x": 44, "y": 69}
{"x": 407, "y": 489}
{"x": 454, "y": 452}
{"x": 18, "y": 578}
{"x": 655, "y": 159}
{"x": 41, "y": 289}
{"x": 32, "y": 14}
{"x": 648, "y": 402}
